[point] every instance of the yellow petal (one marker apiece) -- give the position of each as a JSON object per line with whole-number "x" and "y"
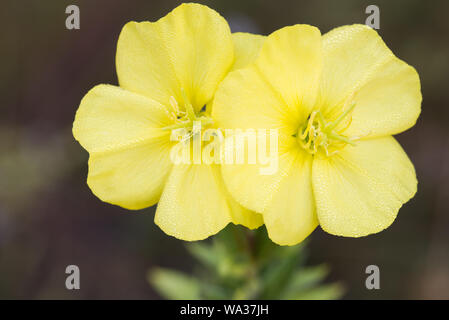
{"x": 190, "y": 48}
{"x": 290, "y": 216}
{"x": 129, "y": 153}
{"x": 291, "y": 61}
{"x": 245, "y": 180}
{"x": 360, "y": 190}
{"x": 359, "y": 68}
{"x": 246, "y": 48}
{"x": 245, "y": 100}
{"x": 284, "y": 198}
{"x": 132, "y": 178}
{"x": 241, "y": 215}
{"x": 193, "y": 205}
{"x": 143, "y": 64}
{"x": 389, "y": 103}
{"x": 110, "y": 118}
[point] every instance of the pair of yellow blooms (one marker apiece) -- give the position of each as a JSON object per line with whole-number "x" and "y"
{"x": 336, "y": 100}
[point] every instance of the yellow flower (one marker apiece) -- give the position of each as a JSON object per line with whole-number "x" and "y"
{"x": 168, "y": 71}
{"x": 336, "y": 100}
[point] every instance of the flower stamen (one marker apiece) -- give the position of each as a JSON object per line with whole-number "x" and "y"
{"x": 318, "y": 134}
{"x": 186, "y": 118}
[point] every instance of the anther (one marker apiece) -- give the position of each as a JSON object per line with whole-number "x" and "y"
{"x": 318, "y": 133}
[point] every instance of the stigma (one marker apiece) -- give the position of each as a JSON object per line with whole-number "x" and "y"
{"x": 319, "y": 135}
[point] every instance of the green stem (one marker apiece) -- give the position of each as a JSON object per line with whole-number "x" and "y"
{"x": 245, "y": 240}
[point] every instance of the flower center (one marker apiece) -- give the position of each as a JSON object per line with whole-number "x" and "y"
{"x": 317, "y": 134}
{"x": 186, "y": 118}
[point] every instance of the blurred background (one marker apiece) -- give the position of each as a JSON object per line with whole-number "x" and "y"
{"x": 50, "y": 219}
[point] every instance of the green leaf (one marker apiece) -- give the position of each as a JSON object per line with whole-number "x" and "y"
{"x": 204, "y": 253}
{"x": 243, "y": 264}
{"x": 304, "y": 279}
{"x": 214, "y": 291}
{"x": 325, "y": 292}
{"x": 278, "y": 273}
{"x": 174, "y": 285}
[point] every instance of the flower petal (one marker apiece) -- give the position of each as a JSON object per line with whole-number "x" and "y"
{"x": 129, "y": 153}
{"x": 360, "y": 190}
{"x": 244, "y": 100}
{"x": 389, "y": 103}
{"x": 110, "y": 118}
{"x": 245, "y": 180}
{"x": 190, "y": 48}
{"x": 241, "y": 215}
{"x": 246, "y": 48}
{"x": 132, "y": 178}
{"x": 194, "y": 204}
{"x": 291, "y": 61}
{"x": 290, "y": 217}
{"x": 284, "y": 198}
{"x": 359, "y": 68}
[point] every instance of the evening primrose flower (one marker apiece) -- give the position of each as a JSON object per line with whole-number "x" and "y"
{"x": 168, "y": 72}
{"x": 336, "y": 100}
